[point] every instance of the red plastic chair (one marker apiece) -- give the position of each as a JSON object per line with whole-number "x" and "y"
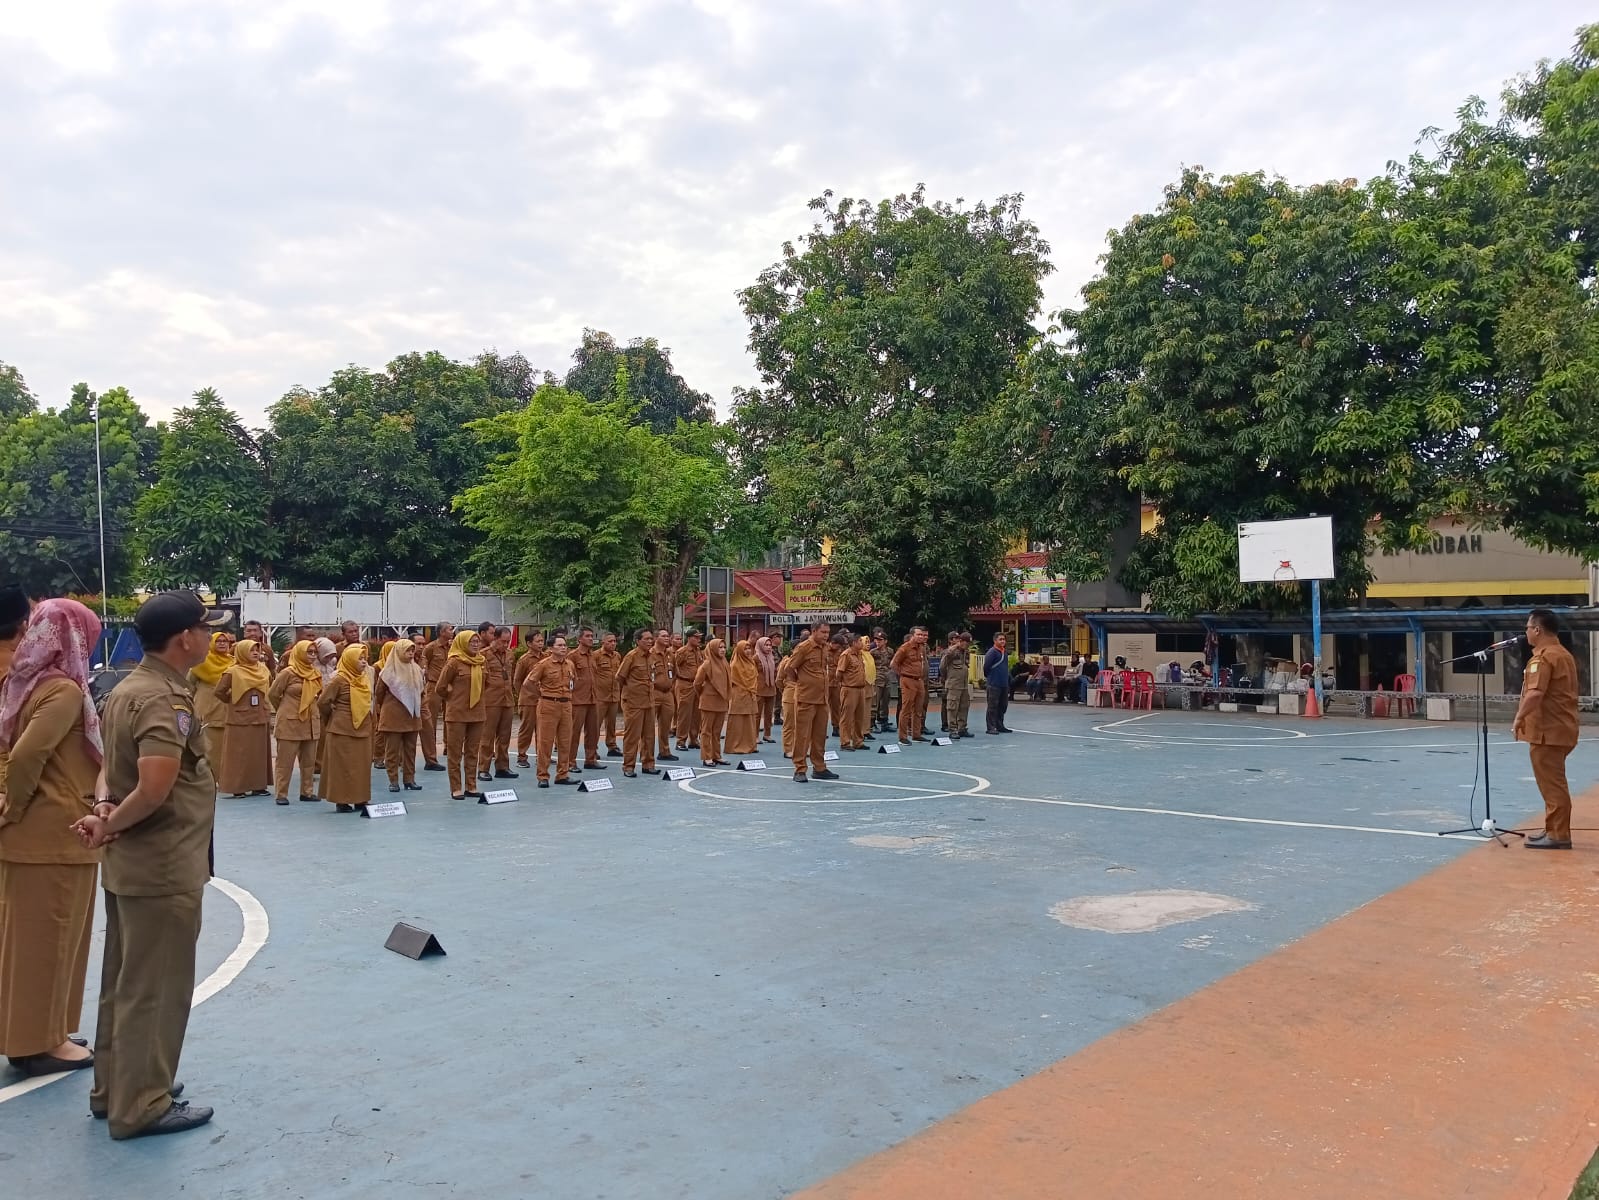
{"x": 1405, "y": 684}
{"x": 1105, "y": 685}
{"x": 1142, "y": 691}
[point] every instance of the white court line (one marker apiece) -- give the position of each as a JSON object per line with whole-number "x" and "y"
{"x": 1200, "y": 816}
{"x": 256, "y": 929}
{"x": 1247, "y": 742}
{"x": 978, "y": 784}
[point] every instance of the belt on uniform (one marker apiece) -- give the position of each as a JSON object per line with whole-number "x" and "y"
{"x": 554, "y": 700}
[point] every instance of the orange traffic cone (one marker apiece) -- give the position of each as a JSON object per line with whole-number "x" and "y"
{"x": 1312, "y": 705}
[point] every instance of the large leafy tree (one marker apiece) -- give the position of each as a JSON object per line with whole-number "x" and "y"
{"x": 1236, "y": 359}
{"x": 1498, "y": 244}
{"x": 661, "y": 394}
{"x": 49, "y": 510}
{"x": 591, "y": 512}
{"x": 364, "y": 471}
{"x": 206, "y": 521}
{"x": 16, "y": 400}
{"x": 883, "y": 333}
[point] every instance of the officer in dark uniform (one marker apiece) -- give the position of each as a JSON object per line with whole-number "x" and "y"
{"x": 156, "y": 830}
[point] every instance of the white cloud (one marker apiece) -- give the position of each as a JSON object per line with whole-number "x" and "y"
{"x": 251, "y": 196}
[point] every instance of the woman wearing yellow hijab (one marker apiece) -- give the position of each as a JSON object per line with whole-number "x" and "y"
{"x": 246, "y": 766}
{"x": 743, "y": 704}
{"x": 298, "y": 726}
{"x": 460, "y": 694}
{"x": 346, "y": 706}
{"x": 211, "y": 711}
{"x": 712, "y": 685}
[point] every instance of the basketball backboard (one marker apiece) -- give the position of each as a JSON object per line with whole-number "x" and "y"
{"x": 1285, "y": 551}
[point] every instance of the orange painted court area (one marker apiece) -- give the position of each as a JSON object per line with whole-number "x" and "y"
{"x": 1441, "y": 1041}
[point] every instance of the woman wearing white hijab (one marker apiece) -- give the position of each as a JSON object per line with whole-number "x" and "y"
{"x": 399, "y": 697}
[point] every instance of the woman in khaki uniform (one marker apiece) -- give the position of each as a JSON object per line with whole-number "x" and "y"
{"x": 50, "y": 756}
{"x": 212, "y": 712}
{"x": 244, "y": 691}
{"x": 399, "y": 698}
{"x": 766, "y": 693}
{"x": 298, "y": 728}
{"x": 852, "y": 692}
{"x": 785, "y": 689}
{"x": 555, "y": 678}
{"x": 460, "y": 693}
{"x": 712, "y": 685}
{"x": 743, "y": 702}
{"x": 346, "y": 705}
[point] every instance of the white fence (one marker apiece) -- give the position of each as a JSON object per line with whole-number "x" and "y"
{"x": 398, "y": 606}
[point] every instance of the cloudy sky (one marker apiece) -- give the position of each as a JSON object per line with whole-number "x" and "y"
{"x": 249, "y": 195}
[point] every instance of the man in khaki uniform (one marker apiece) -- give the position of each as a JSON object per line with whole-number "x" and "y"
{"x": 433, "y": 660}
{"x": 494, "y": 750}
{"x": 910, "y": 664}
{"x": 585, "y": 703}
{"x": 156, "y": 831}
{"x": 882, "y": 655}
{"x": 636, "y": 680}
{"x": 607, "y": 695}
{"x": 685, "y": 665}
{"x": 527, "y": 698}
{"x": 665, "y": 695}
{"x": 1546, "y": 720}
{"x": 808, "y": 666}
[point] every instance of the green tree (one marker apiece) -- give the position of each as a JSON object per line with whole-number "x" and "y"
{"x": 49, "y": 512}
{"x": 662, "y": 396}
{"x": 16, "y": 401}
{"x": 590, "y": 512}
{"x": 1498, "y": 232}
{"x": 207, "y": 520}
{"x": 878, "y": 339}
{"x": 1235, "y": 360}
{"x": 364, "y": 469}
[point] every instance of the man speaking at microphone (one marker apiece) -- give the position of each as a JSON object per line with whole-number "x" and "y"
{"x": 1547, "y": 721}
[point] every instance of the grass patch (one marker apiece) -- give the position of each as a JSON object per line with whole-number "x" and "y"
{"x": 1588, "y": 1182}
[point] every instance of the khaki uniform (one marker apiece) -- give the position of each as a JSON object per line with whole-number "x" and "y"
{"x": 555, "y": 680}
{"x": 685, "y": 665}
{"x": 297, "y": 737}
{"x": 953, "y": 671}
{"x": 853, "y": 705}
{"x": 609, "y": 698}
{"x": 347, "y": 747}
{"x": 665, "y": 699}
{"x": 785, "y": 690}
{"x": 46, "y": 875}
{"x": 494, "y": 750}
{"x": 808, "y": 668}
{"x": 1550, "y": 731}
{"x": 910, "y": 664}
{"x": 397, "y": 733}
{"x": 832, "y": 686}
{"x": 434, "y": 655}
{"x": 527, "y": 703}
{"x": 463, "y": 723}
{"x": 155, "y": 874}
{"x": 585, "y": 705}
{"x": 635, "y": 683}
{"x": 246, "y": 763}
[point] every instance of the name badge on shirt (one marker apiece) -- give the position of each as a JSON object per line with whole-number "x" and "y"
{"x": 255, "y": 700}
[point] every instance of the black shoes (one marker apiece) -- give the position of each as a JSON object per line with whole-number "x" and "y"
{"x": 544, "y": 783}
{"x": 1005, "y": 729}
{"x": 825, "y": 775}
{"x": 177, "y": 1090}
{"x": 630, "y": 774}
{"x": 666, "y": 758}
{"x": 506, "y": 775}
{"x": 1544, "y": 842}
{"x": 180, "y": 1117}
{"x": 310, "y": 800}
{"x": 394, "y": 787}
{"x": 283, "y": 800}
{"x": 33, "y": 1065}
{"x": 484, "y": 775}
{"x": 594, "y": 766}
{"x": 433, "y": 766}
{"x": 413, "y": 787}
{"x": 918, "y": 738}
{"x": 612, "y": 752}
{"x": 652, "y": 770}
{"x": 566, "y": 782}
{"x": 522, "y": 762}
{"x": 344, "y": 808}
{"x": 799, "y": 777}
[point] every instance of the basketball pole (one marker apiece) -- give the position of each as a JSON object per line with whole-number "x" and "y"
{"x": 1315, "y": 641}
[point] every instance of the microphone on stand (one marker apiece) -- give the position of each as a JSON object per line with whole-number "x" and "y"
{"x": 1504, "y": 645}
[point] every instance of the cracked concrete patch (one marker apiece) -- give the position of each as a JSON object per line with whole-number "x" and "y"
{"x": 886, "y": 841}
{"x": 1143, "y": 912}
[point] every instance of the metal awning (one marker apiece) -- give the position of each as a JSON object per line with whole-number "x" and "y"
{"x": 1340, "y": 620}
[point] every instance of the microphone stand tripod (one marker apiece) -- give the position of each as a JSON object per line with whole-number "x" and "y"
{"x": 1489, "y": 827}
